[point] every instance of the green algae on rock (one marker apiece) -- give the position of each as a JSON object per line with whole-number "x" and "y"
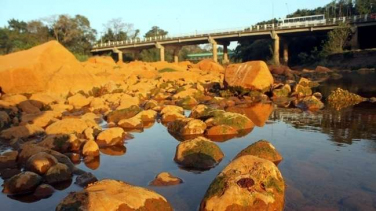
{"x": 262, "y": 149}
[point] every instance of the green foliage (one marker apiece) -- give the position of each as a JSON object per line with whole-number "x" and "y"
{"x": 166, "y": 70}
{"x": 337, "y": 40}
{"x": 155, "y": 31}
{"x": 248, "y": 50}
{"x": 81, "y": 57}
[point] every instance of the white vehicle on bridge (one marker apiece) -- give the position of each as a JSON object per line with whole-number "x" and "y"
{"x": 304, "y": 20}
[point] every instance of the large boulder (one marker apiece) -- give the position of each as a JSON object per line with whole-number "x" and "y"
{"x": 112, "y": 195}
{"x": 253, "y": 75}
{"x": 22, "y": 183}
{"x": 199, "y": 153}
{"x": 45, "y": 68}
{"x": 247, "y": 183}
{"x": 341, "y": 98}
{"x": 78, "y": 101}
{"x": 111, "y": 137}
{"x": 262, "y": 149}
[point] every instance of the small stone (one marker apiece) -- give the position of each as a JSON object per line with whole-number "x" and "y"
{"x": 165, "y": 179}
{"x": 40, "y": 163}
{"x": 84, "y": 179}
{"x": 110, "y": 137}
{"x": 8, "y": 159}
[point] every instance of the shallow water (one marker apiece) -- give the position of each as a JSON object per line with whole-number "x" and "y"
{"x": 329, "y": 160}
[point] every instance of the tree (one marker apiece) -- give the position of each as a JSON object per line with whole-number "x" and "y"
{"x": 17, "y": 26}
{"x": 150, "y": 55}
{"x": 337, "y": 40}
{"x": 365, "y": 6}
{"x": 117, "y": 30}
{"x": 155, "y": 31}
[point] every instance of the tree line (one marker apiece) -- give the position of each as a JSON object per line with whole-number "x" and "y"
{"x": 77, "y": 35}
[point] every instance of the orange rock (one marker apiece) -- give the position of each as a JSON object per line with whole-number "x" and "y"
{"x": 210, "y": 65}
{"x": 47, "y": 67}
{"x": 253, "y": 75}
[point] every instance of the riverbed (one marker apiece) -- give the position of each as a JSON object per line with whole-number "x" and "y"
{"x": 329, "y": 158}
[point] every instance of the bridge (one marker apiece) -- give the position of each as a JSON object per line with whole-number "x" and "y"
{"x": 277, "y": 32}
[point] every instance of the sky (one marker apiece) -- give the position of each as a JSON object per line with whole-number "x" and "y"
{"x": 174, "y": 16}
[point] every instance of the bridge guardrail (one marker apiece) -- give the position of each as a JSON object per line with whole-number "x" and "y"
{"x": 253, "y": 28}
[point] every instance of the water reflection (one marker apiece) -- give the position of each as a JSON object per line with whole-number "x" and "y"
{"x": 116, "y": 150}
{"x": 92, "y": 162}
{"x": 258, "y": 113}
{"x": 343, "y": 127}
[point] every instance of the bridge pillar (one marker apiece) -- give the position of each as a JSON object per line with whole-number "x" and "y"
{"x": 214, "y": 48}
{"x": 275, "y": 37}
{"x": 225, "y": 54}
{"x": 354, "y": 42}
{"x": 161, "y": 51}
{"x": 120, "y": 54}
{"x": 285, "y": 51}
{"x": 176, "y": 53}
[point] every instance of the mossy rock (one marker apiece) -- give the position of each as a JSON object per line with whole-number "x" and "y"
{"x": 235, "y": 120}
{"x": 303, "y": 90}
{"x": 22, "y": 183}
{"x": 117, "y": 115}
{"x": 204, "y": 112}
{"x": 199, "y": 153}
{"x": 187, "y": 101}
{"x": 262, "y": 149}
{"x": 166, "y": 70}
{"x": 310, "y": 103}
{"x": 187, "y": 126}
{"x": 282, "y": 92}
{"x": 247, "y": 183}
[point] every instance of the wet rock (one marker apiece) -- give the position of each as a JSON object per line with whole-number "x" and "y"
{"x": 22, "y": 183}
{"x": 58, "y": 173}
{"x": 254, "y": 75}
{"x": 302, "y": 91}
{"x": 43, "y": 191}
{"x": 40, "y": 163}
{"x": 8, "y": 159}
{"x": 340, "y": 98}
{"x": 90, "y": 149}
{"x": 110, "y": 137}
{"x": 204, "y": 112}
{"x": 89, "y": 133}
{"x": 24, "y": 131}
{"x": 165, "y": 179}
{"x": 117, "y": 115}
{"x": 187, "y": 126}
{"x": 67, "y": 126}
{"x": 78, "y": 101}
{"x": 310, "y": 103}
{"x": 199, "y": 153}
{"x": 8, "y": 173}
{"x": 262, "y": 149}
{"x": 221, "y": 130}
{"x": 247, "y": 183}
{"x": 111, "y": 195}
{"x": 131, "y": 123}
{"x": 85, "y": 179}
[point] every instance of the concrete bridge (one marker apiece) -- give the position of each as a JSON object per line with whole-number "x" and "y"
{"x": 277, "y": 32}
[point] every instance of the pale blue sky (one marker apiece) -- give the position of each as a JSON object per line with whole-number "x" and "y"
{"x": 175, "y": 16}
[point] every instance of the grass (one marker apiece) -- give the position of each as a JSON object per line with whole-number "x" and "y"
{"x": 166, "y": 70}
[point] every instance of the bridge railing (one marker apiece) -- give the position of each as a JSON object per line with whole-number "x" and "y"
{"x": 253, "y": 28}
